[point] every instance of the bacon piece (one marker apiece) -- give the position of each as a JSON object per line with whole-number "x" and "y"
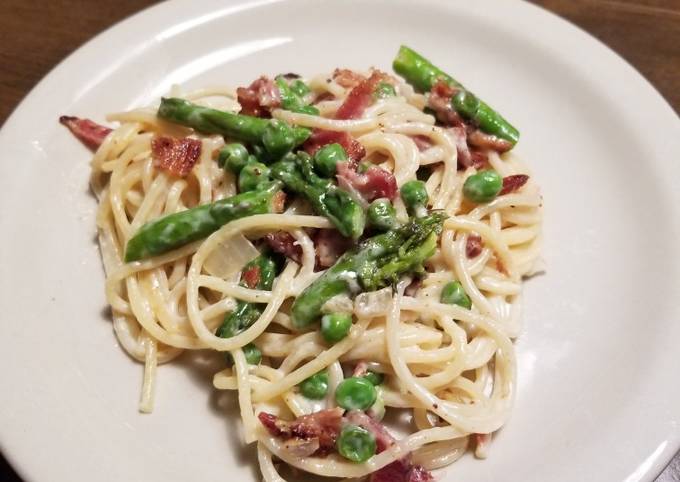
{"x": 251, "y": 277}
{"x": 329, "y": 245}
{"x": 375, "y": 183}
{"x": 402, "y": 470}
{"x": 513, "y": 183}
{"x": 283, "y": 242}
{"x": 319, "y": 138}
{"x": 479, "y": 159}
{"x": 360, "y": 97}
{"x": 259, "y": 98}
{"x": 440, "y": 102}
{"x": 423, "y": 143}
{"x": 347, "y": 78}
{"x": 176, "y": 156}
{"x": 473, "y": 246}
{"x": 88, "y": 132}
{"x": 488, "y": 141}
{"x": 323, "y": 426}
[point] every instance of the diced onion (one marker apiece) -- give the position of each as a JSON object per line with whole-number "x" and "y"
{"x": 230, "y": 257}
{"x": 373, "y": 303}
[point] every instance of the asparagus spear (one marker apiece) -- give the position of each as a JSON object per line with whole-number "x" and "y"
{"x": 327, "y": 199}
{"x": 175, "y": 230}
{"x": 376, "y": 263}
{"x": 276, "y": 136}
{"x": 422, "y": 75}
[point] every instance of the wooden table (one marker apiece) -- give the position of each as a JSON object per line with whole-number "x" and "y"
{"x": 36, "y": 34}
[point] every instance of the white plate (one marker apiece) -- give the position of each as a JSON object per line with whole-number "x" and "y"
{"x": 599, "y": 397}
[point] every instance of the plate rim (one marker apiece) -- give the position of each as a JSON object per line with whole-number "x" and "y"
{"x": 22, "y": 467}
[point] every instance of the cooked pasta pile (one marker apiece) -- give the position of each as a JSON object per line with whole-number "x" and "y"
{"x": 450, "y": 365}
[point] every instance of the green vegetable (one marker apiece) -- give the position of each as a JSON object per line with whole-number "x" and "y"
{"x": 300, "y": 88}
{"x": 383, "y": 90}
{"x": 253, "y": 354}
{"x": 381, "y": 215}
{"x": 174, "y": 230}
{"x": 422, "y": 75}
{"x": 253, "y": 176}
{"x": 326, "y": 198}
{"x": 454, "y": 294}
{"x": 292, "y": 100}
{"x": 483, "y": 187}
{"x": 245, "y": 314}
{"x": 233, "y": 157}
{"x": 316, "y": 386}
{"x": 355, "y": 393}
{"x": 355, "y": 443}
{"x": 327, "y": 158}
{"x": 335, "y": 326}
{"x": 376, "y": 263}
{"x": 415, "y": 197}
{"x": 275, "y": 136}
{"x": 375, "y": 378}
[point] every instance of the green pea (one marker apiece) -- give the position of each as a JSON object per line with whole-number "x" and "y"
{"x": 327, "y": 158}
{"x": 483, "y": 187}
{"x": 300, "y": 88}
{"x": 355, "y": 443}
{"x": 454, "y": 294}
{"x": 355, "y": 393}
{"x": 316, "y": 386}
{"x": 414, "y": 194}
{"x": 375, "y": 378}
{"x": 381, "y": 215}
{"x": 383, "y": 90}
{"x": 364, "y": 166}
{"x": 253, "y": 354}
{"x": 233, "y": 157}
{"x": 335, "y": 326}
{"x": 252, "y": 176}
{"x": 278, "y": 138}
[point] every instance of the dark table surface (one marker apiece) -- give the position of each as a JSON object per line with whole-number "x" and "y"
{"x": 36, "y": 34}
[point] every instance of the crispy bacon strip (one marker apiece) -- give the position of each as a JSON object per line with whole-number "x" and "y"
{"x": 88, "y": 132}
{"x": 360, "y": 97}
{"x": 323, "y": 426}
{"x": 319, "y": 138}
{"x": 259, "y": 98}
{"x": 473, "y": 246}
{"x": 513, "y": 183}
{"x": 283, "y": 242}
{"x": 347, "y": 78}
{"x": 330, "y": 245}
{"x": 176, "y": 156}
{"x": 375, "y": 183}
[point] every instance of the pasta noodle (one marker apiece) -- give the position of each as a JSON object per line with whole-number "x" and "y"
{"x": 452, "y": 368}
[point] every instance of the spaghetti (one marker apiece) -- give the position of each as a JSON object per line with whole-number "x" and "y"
{"x": 449, "y": 364}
